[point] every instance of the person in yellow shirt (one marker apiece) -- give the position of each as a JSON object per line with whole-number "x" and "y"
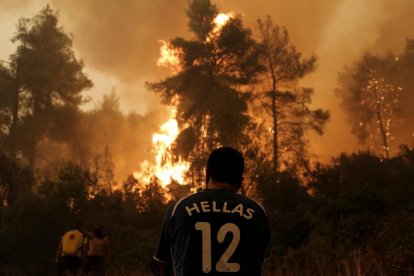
{"x": 70, "y": 249}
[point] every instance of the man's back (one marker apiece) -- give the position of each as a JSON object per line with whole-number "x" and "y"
{"x": 72, "y": 242}
{"x": 214, "y": 232}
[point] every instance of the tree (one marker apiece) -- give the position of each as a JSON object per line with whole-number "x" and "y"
{"x": 106, "y": 131}
{"x": 9, "y": 92}
{"x": 15, "y": 180}
{"x": 371, "y": 99}
{"x": 404, "y": 80}
{"x": 50, "y": 76}
{"x": 5, "y": 85}
{"x": 283, "y": 100}
{"x": 216, "y": 65}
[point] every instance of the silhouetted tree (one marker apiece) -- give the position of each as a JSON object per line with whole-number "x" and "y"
{"x": 8, "y": 120}
{"x": 15, "y": 179}
{"x": 105, "y": 129}
{"x": 50, "y": 76}
{"x": 283, "y": 100}
{"x": 216, "y": 65}
{"x": 371, "y": 99}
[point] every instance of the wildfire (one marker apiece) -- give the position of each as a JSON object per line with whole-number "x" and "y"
{"x": 164, "y": 169}
{"x": 170, "y": 56}
{"x": 220, "y": 20}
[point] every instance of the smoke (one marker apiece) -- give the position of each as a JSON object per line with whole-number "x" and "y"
{"x": 122, "y": 37}
{"x": 354, "y": 28}
{"x": 119, "y": 40}
{"x": 338, "y": 32}
{"x": 13, "y": 4}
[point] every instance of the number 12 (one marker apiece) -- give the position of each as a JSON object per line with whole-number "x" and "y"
{"x": 222, "y": 264}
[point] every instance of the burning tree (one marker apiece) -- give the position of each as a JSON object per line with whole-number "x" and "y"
{"x": 214, "y": 67}
{"x": 371, "y": 99}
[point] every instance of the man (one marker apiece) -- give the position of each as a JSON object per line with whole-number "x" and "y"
{"x": 70, "y": 249}
{"x": 215, "y": 231}
{"x": 97, "y": 250}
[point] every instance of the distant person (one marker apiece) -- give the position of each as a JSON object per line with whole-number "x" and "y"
{"x": 215, "y": 231}
{"x": 97, "y": 251}
{"x": 69, "y": 252}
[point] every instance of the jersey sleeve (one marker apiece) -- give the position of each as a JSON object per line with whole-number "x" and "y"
{"x": 163, "y": 251}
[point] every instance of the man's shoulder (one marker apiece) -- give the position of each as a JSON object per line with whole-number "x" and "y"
{"x": 73, "y": 233}
{"x": 253, "y": 202}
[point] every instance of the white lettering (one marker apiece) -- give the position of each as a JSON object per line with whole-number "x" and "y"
{"x": 225, "y": 210}
{"x": 189, "y": 210}
{"x": 215, "y": 207}
{"x": 205, "y": 207}
{"x": 212, "y": 206}
{"x": 238, "y": 209}
{"x": 249, "y": 213}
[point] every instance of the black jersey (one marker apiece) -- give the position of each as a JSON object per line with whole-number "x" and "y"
{"x": 214, "y": 232}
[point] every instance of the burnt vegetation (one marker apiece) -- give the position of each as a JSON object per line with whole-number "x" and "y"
{"x": 59, "y": 163}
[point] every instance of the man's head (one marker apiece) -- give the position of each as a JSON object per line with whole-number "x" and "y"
{"x": 98, "y": 231}
{"x": 78, "y": 226}
{"x": 225, "y": 165}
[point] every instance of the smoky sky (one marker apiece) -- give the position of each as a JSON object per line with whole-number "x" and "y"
{"x": 121, "y": 39}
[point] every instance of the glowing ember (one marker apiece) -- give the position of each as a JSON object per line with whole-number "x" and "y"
{"x": 170, "y": 56}
{"x": 164, "y": 169}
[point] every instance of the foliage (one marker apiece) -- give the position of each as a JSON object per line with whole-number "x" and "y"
{"x": 353, "y": 217}
{"x": 14, "y": 179}
{"x": 281, "y": 98}
{"x": 6, "y": 85}
{"x": 34, "y": 221}
{"x": 50, "y": 80}
{"x": 348, "y": 224}
{"x": 375, "y": 94}
{"x": 106, "y": 130}
{"x": 214, "y": 67}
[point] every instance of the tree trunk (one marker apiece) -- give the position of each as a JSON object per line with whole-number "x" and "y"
{"x": 275, "y": 133}
{"x": 381, "y": 124}
{"x": 34, "y": 139}
{"x": 274, "y": 116}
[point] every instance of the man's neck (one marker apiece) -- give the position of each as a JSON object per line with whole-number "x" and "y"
{"x": 213, "y": 185}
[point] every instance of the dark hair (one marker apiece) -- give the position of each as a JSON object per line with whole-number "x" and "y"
{"x": 225, "y": 164}
{"x": 78, "y": 225}
{"x": 98, "y": 231}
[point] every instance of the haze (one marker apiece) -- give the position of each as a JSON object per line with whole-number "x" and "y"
{"x": 119, "y": 43}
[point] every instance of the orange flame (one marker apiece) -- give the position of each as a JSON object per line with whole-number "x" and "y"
{"x": 164, "y": 169}
{"x": 221, "y": 20}
{"x": 170, "y": 56}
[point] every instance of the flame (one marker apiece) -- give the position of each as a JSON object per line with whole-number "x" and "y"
{"x": 221, "y": 20}
{"x": 170, "y": 56}
{"x": 165, "y": 169}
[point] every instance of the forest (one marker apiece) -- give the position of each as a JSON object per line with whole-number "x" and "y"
{"x": 60, "y": 164}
